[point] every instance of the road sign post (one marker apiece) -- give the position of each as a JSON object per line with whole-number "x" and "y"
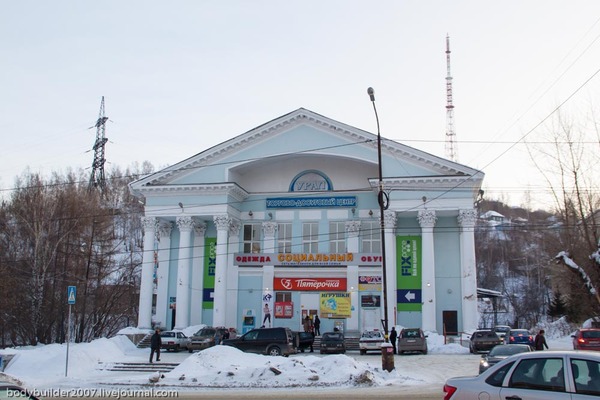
{"x": 71, "y": 295}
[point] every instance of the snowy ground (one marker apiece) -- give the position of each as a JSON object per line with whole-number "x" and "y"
{"x": 43, "y": 367}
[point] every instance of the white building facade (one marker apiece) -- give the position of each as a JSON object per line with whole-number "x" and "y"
{"x": 283, "y": 221}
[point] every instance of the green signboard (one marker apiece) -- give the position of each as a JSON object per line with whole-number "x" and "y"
{"x": 210, "y": 263}
{"x": 408, "y": 264}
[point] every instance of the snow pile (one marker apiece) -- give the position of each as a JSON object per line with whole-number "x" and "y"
{"x": 225, "y": 366}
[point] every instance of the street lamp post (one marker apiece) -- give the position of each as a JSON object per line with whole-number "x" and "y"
{"x": 387, "y": 352}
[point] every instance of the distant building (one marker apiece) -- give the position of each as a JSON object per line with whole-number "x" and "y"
{"x": 282, "y": 222}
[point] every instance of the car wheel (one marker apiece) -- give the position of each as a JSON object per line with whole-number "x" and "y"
{"x": 190, "y": 351}
{"x": 425, "y": 352}
{"x": 274, "y": 351}
{"x": 321, "y": 352}
{"x": 177, "y": 348}
{"x": 301, "y": 350}
{"x": 363, "y": 352}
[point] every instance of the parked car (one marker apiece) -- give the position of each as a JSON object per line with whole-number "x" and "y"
{"x": 206, "y": 337}
{"x": 173, "y": 340}
{"x": 370, "y": 340}
{"x": 544, "y": 375}
{"x": 519, "y": 336}
{"x": 499, "y": 353}
{"x": 483, "y": 340}
{"x": 586, "y": 339}
{"x": 333, "y": 342}
{"x": 501, "y": 330}
{"x": 305, "y": 341}
{"x": 11, "y": 390}
{"x": 412, "y": 339}
{"x": 270, "y": 341}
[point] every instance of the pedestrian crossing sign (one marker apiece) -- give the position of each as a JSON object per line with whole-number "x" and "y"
{"x": 71, "y": 293}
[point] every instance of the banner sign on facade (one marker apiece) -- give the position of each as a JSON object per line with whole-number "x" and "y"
{"x": 284, "y": 309}
{"x": 307, "y": 259}
{"x": 369, "y": 282}
{"x": 311, "y": 202}
{"x": 210, "y": 263}
{"x": 408, "y": 263}
{"x": 336, "y": 305}
{"x": 310, "y": 284}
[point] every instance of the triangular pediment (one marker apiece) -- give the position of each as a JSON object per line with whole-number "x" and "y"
{"x": 301, "y": 140}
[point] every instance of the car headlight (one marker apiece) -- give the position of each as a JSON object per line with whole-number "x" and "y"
{"x": 483, "y": 362}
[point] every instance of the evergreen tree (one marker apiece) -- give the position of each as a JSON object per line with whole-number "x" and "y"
{"x": 558, "y": 306}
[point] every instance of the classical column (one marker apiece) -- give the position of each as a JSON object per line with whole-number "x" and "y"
{"x": 231, "y": 317}
{"x": 353, "y": 246}
{"x": 162, "y": 272}
{"x": 269, "y": 230}
{"x": 146, "y": 285}
{"x": 182, "y": 313}
{"x": 470, "y": 317}
{"x": 222, "y": 223}
{"x": 427, "y": 220}
{"x": 391, "y": 264}
{"x": 197, "y": 274}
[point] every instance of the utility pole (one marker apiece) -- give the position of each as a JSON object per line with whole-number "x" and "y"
{"x": 97, "y": 176}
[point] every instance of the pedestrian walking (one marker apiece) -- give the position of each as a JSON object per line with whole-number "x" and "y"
{"x": 308, "y": 324}
{"x": 317, "y": 325}
{"x": 393, "y": 338}
{"x": 540, "y": 341}
{"x": 155, "y": 343}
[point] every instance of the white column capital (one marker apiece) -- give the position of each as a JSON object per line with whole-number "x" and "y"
{"x": 389, "y": 219}
{"x": 234, "y": 227}
{"x": 185, "y": 224}
{"x": 149, "y": 224}
{"x": 353, "y": 228}
{"x": 467, "y": 218}
{"x": 200, "y": 228}
{"x": 269, "y": 229}
{"x": 165, "y": 228}
{"x": 426, "y": 218}
{"x": 222, "y": 222}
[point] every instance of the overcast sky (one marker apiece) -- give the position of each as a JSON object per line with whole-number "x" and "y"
{"x": 181, "y": 76}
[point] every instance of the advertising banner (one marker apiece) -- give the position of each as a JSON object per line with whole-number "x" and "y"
{"x": 408, "y": 264}
{"x": 335, "y": 305}
{"x": 309, "y": 284}
{"x": 210, "y": 263}
{"x": 369, "y": 283}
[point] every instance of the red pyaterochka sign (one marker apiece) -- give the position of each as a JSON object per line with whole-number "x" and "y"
{"x": 310, "y": 284}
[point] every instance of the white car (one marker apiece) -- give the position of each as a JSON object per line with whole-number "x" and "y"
{"x": 173, "y": 340}
{"x": 547, "y": 375}
{"x": 370, "y": 340}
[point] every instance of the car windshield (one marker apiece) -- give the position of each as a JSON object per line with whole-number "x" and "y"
{"x": 502, "y": 329}
{"x": 590, "y": 334}
{"x": 371, "y": 335}
{"x": 206, "y": 332}
{"x": 333, "y": 336}
{"x": 410, "y": 333}
{"x": 168, "y": 334}
{"x": 519, "y": 333}
{"x": 507, "y": 350}
{"x": 485, "y": 334}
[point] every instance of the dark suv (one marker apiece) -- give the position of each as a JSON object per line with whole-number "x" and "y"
{"x": 270, "y": 341}
{"x": 205, "y": 338}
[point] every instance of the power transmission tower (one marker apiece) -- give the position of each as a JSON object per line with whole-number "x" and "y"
{"x": 451, "y": 150}
{"x": 97, "y": 176}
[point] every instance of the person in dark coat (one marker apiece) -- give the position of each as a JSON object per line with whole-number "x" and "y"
{"x": 155, "y": 343}
{"x": 540, "y": 341}
{"x": 317, "y": 325}
{"x": 393, "y": 338}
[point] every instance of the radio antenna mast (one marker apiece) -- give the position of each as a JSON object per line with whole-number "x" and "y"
{"x": 97, "y": 176}
{"x": 451, "y": 150}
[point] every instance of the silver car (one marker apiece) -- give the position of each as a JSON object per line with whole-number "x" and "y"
{"x": 538, "y": 375}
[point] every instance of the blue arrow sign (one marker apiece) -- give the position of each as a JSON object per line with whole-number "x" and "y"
{"x": 409, "y": 296}
{"x": 71, "y": 294}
